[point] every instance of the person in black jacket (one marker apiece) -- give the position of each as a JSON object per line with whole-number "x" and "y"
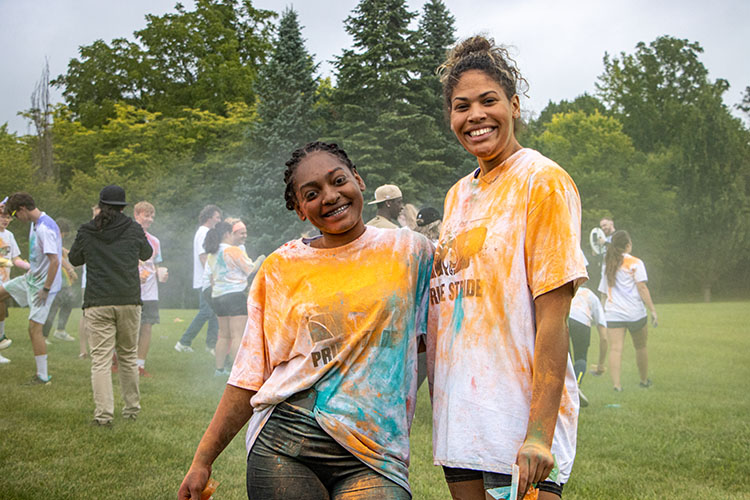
{"x": 111, "y": 245}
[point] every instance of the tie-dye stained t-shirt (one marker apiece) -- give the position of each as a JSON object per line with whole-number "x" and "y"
{"x": 345, "y": 322}
{"x": 44, "y": 238}
{"x": 147, "y": 270}
{"x": 623, "y": 302}
{"x": 230, "y": 268}
{"x": 507, "y": 238}
{"x": 8, "y": 251}
{"x": 586, "y": 308}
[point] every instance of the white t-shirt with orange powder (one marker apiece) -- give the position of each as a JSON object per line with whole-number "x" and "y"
{"x": 623, "y": 302}
{"x": 345, "y": 322}
{"x": 8, "y": 250}
{"x": 586, "y": 308}
{"x": 507, "y": 238}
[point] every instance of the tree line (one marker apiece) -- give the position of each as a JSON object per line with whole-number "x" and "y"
{"x": 205, "y": 106}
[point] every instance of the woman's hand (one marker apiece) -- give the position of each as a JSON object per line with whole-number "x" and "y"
{"x": 654, "y": 318}
{"x": 195, "y": 482}
{"x": 535, "y": 462}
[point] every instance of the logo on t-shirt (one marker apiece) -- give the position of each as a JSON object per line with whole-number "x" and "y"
{"x": 454, "y": 253}
{"x": 325, "y": 330}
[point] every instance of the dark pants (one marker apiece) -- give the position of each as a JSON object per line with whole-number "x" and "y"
{"x": 63, "y": 304}
{"x": 205, "y": 314}
{"x": 294, "y": 458}
{"x": 580, "y": 336}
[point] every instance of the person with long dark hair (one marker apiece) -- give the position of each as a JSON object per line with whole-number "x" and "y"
{"x": 506, "y": 267}
{"x": 111, "y": 245}
{"x": 626, "y": 298}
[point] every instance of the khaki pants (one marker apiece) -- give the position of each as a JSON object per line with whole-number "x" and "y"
{"x": 113, "y": 328}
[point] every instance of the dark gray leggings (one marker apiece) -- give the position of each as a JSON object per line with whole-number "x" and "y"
{"x": 294, "y": 458}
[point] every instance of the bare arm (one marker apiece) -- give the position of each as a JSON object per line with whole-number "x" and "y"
{"x": 535, "y": 459}
{"x": 231, "y": 415}
{"x": 646, "y": 298}
{"x": 22, "y": 264}
{"x": 202, "y": 258}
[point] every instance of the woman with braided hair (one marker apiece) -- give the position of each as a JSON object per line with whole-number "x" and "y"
{"x": 506, "y": 267}
{"x": 327, "y": 369}
{"x": 626, "y": 296}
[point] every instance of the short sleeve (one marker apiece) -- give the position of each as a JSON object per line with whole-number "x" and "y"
{"x": 252, "y": 366}
{"x": 14, "y": 250}
{"x": 157, "y": 257}
{"x": 640, "y": 272}
{"x": 603, "y": 281}
{"x": 47, "y": 240}
{"x": 552, "y": 244}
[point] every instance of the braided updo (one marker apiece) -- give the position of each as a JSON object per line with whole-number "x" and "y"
{"x": 298, "y": 155}
{"x": 482, "y": 54}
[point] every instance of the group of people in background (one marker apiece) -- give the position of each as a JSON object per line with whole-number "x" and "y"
{"x": 322, "y": 351}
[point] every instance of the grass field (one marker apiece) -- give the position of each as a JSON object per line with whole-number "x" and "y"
{"x": 686, "y": 437}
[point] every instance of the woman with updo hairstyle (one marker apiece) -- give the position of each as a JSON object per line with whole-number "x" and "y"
{"x": 327, "y": 370}
{"x": 626, "y": 297}
{"x": 506, "y": 267}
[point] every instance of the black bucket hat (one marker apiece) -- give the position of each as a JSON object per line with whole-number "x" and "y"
{"x": 113, "y": 195}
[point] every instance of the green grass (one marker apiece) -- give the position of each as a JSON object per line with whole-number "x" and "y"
{"x": 686, "y": 437}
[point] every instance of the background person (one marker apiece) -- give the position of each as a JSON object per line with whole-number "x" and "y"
{"x": 586, "y": 311}
{"x": 65, "y": 298}
{"x": 111, "y": 245}
{"x": 10, "y": 255}
{"x": 429, "y": 223}
{"x": 38, "y": 287}
{"x": 323, "y": 355}
{"x": 208, "y": 218}
{"x": 626, "y": 297}
{"x": 389, "y": 203}
{"x": 505, "y": 271}
{"x": 230, "y": 268}
{"x": 151, "y": 274}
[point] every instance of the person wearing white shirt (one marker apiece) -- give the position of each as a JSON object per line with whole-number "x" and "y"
{"x": 208, "y": 218}
{"x": 626, "y": 297}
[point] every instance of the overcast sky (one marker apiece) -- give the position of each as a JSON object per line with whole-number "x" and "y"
{"x": 559, "y": 44}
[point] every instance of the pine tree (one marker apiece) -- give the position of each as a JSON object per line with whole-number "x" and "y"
{"x": 287, "y": 118}
{"x": 375, "y": 106}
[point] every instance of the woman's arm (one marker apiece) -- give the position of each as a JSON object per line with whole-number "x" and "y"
{"x": 646, "y": 298}
{"x": 535, "y": 459}
{"x": 233, "y": 412}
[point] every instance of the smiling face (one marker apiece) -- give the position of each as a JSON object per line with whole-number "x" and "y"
{"x": 329, "y": 195}
{"x": 482, "y": 118}
{"x": 239, "y": 234}
{"x": 4, "y": 220}
{"x": 145, "y": 219}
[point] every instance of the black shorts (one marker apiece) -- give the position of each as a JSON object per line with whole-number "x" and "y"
{"x": 494, "y": 479}
{"x": 150, "y": 312}
{"x": 230, "y": 304}
{"x": 632, "y": 326}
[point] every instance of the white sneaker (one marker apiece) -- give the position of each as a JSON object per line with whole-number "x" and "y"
{"x": 48, "y": 341}
{"x": 4, "y": 360}
{"x": 182, "y": 348}
{"x": 63, "y": 335}
{"x": 5, "y": 343}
